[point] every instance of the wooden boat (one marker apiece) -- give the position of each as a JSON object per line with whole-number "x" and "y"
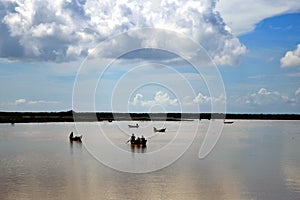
{"x": 75, "y": 139}
{"x": 228, "y": 122}
{"x": 159, "y": 130}
{"x": 133, "y": 126}
{"x": 138, "y": 143}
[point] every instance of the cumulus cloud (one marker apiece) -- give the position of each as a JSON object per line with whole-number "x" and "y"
{"x": 203, "y": 99}
{"x": 20, "y": 101}
{"x": 137, "y": 99}
{"x": 64, "y": 30}
{"x": 164, "y": 99}
{"x": 160, "y": 98}
{"x": 291, "y": 58}
{"x": 33, "y": 102}
{"x": 242, "y": 16}
{"x": 266, "y": 97}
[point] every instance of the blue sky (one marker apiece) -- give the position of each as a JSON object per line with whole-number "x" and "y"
{"x": 79, "y": 55}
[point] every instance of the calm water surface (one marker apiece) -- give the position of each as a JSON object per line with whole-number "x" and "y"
{"x": 252, "y": 160}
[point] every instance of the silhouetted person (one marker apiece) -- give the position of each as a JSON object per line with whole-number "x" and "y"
{"x": 132, "y": 139}
{"x": 76, "y": 138}
{"x": 143, "y": 141}
{"x": 71, "y": 135}
{"x": 138, "y": 141}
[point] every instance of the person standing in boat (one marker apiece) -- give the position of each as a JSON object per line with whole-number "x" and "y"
{"x": 71, "y": 135}
{"x": 132, "y": 139}
{"x": 143, "y": 140}
{"x": 138, "y": 141}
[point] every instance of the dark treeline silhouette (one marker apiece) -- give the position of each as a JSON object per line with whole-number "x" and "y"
{"x": 71, "y": 116}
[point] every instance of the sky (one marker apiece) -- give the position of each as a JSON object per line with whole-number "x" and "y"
{"x": 229, "y": 56}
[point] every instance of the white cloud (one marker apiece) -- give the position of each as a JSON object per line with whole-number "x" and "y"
{"x": 297, "y": 92}
{"x": 20, "y": 101}
{"x": 265, "y": 97}
{"x": 34, "y": 102}
{"x": 203, "y": 99}
{"x": 160, "y": 98}
{"x": 137, "y": 99}
{"x": 42, "y": 102}
{"x": 291, "y": 58}
{"x": 43, "y": 30}
{"x": 74, "y": 51}
{"x": 242, "y": 16}
{"x": 231, "y": 52}
{"x": 63, "y": 30}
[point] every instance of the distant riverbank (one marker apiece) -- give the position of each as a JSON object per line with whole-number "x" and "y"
{"x": 71, "y": 116}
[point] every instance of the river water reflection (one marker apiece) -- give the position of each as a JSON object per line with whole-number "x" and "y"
{"x": 252, "y": 160}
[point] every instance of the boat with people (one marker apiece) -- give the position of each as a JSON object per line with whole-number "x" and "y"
{"x": 159, "y": 130}
{"x": 133, "y": 126}
{"x": 75, "y": 138}
{"x": 137, "y": 141}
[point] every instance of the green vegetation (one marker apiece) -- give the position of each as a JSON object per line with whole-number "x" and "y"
{"x": 69, "y": 116}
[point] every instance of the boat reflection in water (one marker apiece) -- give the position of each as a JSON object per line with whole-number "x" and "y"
{"x": 138, "y": 148}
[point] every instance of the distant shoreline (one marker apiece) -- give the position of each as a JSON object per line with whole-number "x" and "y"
{"x": 69, "y": 116}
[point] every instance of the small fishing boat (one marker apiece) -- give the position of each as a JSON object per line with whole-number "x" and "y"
{"x": 159, "y": 130}
{"x": 76, "y": 138}
{"x": 133, "y": 126}
{"x": 228, "y": 122}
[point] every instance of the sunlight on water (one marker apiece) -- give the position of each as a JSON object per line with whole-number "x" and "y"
{"x": 252, "y": 160}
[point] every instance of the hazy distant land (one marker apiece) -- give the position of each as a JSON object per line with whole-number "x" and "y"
{"x": 68, "y": 116}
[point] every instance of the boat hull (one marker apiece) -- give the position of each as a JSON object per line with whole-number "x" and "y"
{"x": 142, "y": 144}
{"x": 159, "y": 130}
